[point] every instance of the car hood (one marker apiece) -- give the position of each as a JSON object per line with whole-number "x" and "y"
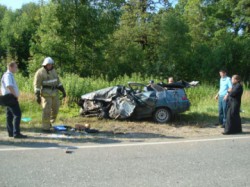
{"x": 106, "y": 94}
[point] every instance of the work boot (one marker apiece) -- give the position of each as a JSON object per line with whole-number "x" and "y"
{"x": 20, "y": 136}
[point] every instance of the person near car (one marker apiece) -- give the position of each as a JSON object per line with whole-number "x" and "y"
{"x": 170, "y": 80}
{"x": 13, "y": 112}
{"x": 233, "y": 122}
{"x": 46, "y": 86}
{"x": 225, "y": 85}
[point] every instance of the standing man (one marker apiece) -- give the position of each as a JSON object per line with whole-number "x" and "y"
{"x": 46, "y": 86}
{"x": 13, "y": 111}
{"x": 225, "y": 85}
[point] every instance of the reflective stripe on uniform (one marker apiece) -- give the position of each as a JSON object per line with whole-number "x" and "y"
{"x": 38, "y": 90}
{"x": 60, "y": 84}
{"x": 50, "y": 81}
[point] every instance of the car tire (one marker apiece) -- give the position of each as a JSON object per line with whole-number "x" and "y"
{"x": 162, "y": 115}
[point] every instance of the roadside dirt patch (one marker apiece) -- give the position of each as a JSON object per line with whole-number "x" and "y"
{"x": 111, "y": 131}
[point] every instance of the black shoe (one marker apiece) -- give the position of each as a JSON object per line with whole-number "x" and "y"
{"x": 222, "y": 126}
{"x": 225, "y": 133}
{"x": 20, "y": 136}
{"x": 10, "y": 135}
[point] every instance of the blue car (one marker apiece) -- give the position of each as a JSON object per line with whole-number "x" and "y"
{"x": 137, "y": 101}
{"x": 159, "y": 102}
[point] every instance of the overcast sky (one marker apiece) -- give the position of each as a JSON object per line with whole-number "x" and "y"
{"x": 15, "y": 4}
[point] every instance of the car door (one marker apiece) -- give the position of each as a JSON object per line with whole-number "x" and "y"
{"x": 168, "y": 98}
{"x": 146, "y": 100}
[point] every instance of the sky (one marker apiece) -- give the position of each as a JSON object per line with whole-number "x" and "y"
{"x": 15, "y": 4}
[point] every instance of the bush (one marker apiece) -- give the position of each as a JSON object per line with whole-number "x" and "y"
{"x": 76, "y": 86}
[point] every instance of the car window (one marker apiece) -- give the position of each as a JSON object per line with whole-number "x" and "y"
{"x": 138, "y": 88}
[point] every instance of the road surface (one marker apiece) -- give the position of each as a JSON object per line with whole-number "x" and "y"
{"x": 222, "y": 161}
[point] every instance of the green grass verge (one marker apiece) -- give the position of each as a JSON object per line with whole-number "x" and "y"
{"x": 202, "y": 113}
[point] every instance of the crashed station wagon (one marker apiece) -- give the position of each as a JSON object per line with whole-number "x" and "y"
{"x": 136, "y": 101}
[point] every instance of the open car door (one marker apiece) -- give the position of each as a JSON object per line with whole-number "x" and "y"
{"x": 146, "y": 100}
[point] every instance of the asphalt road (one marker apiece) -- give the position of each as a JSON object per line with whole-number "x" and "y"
{"x": 223, "y": 161}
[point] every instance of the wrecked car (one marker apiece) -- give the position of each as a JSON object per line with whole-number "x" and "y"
{"x": 136, "y": 101}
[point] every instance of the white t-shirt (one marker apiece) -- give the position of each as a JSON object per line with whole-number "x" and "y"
{"x": 8, "y": 80}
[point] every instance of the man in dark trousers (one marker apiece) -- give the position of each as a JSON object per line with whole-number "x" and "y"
{"x": 13, "y": 112}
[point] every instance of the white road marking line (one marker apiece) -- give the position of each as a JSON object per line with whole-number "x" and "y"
{"x": 124, "y": 145}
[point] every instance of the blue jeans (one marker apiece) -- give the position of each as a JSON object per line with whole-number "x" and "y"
{"x": 222, "y": 110}
{"x": 13, "y": 114}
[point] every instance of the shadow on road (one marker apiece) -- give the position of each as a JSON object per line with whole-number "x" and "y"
{"x": 201, "y": 120}
{"x": 244, "y": 133}
{"x": 38, "y": 140}
{"x": 136, "y": 135}
{"x": 25, "y": 144}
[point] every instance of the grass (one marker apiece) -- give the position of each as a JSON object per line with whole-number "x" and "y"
{"x": 76, "y": 86}
{"x": 203, "y": 112}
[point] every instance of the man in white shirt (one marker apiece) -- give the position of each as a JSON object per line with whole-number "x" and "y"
{"x": 13, "y": 112}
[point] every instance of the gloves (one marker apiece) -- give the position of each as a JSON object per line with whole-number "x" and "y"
{"x": 38, "y": 97}
{"x": 61, "y": 88}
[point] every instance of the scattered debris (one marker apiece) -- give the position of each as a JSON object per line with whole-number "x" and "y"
{"x": 86, "y": 128}
{"x": 60, "y": 128}
{"x": 62, "y": 136}
{"x": 80, "y": 127}
{"x": 68, "y": 132}
{"x": 68, "y": 151}
{"x": 26, "y": 119}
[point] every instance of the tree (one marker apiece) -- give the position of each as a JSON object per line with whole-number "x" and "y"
{"x": 75, "y": 33}
{"x": 175, "y": 44}
{"x": 115, "y": 37}
{"x": 133, "y": 45}
{"x": 18, "y": 29}
{"x": 2, "y": 50}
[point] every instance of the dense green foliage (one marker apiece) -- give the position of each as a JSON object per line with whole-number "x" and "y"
{"x": 76, "y": 86}
{"x": 112, "y": 38}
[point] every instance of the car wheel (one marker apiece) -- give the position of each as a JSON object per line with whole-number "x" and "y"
{"x": 162, "y": 115}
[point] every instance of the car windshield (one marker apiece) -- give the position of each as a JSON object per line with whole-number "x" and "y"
{"x": 138, "y": 88}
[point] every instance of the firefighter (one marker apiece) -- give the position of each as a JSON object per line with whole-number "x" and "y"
{"x": 46, "y": 85}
